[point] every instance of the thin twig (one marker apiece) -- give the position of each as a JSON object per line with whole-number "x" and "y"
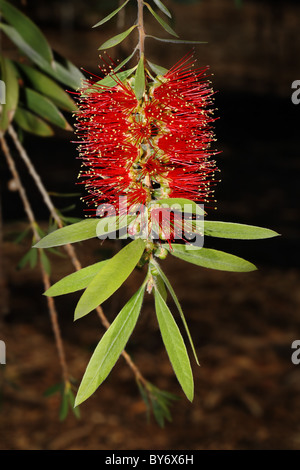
{"x": 68, "y": 247}
{"x": 46, "y": 280}
{"x": 140, "y": 25}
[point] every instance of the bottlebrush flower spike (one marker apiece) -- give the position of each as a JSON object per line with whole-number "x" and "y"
{"x": 149, "y": 149}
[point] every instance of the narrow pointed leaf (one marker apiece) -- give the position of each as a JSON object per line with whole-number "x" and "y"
{"x": 29, "y": 122}
{"x": 236, "y": 231}
{"x": 176, "y": 301}
{"x": 83, "y": 230}
{"x": 185, "y": 205}
{"x": 28, "y": 30}
{"x": 116, "y": 39}
{"x": 175, "y": 41}
{"x": 124, "y": 62}
{"x": 110, "y": 347}
{"x": 110, "y": 80}
{"x": 163, "y": 8}
{"x": 11, "y": 91}
{"x": 111, "y": 15}
{"x": 45, "y": 262}
{"x": 42, "y": 106}
{"x": 18, "y": 40}
{"x": 160, "y": 285}
{"x": 67, "y": 74}
{"x": 49, "y": 88}
{"x": 212, "y": 259}
{"x": 161, "y": 21}
{"x": 75, "y": 281}
{"x": 139, "y": 79}
{"x": 158, "y": 69}
{"x": 175, "y": 346}
{"x": 110, "y": 278}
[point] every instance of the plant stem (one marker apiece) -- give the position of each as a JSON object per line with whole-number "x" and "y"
{"x": 140, "y": 25}
{"x": 46, "y": 280}
{"x": 68, "y": 248}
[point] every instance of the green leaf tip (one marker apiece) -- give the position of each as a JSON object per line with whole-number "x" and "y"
{"x": 237, "y": 231}
{"x": 110, "y": 347}
{"x": 212, "y": 259}
{"x": 111, "y": 15}
{"x": 174, "y": 345}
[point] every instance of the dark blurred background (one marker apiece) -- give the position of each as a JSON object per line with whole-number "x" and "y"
{"x": 247, "y": 389}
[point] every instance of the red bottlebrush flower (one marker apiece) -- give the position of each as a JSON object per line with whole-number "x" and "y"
{"x": 149, "y": 149}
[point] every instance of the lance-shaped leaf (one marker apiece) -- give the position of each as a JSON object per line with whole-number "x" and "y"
{"x": 10, "y": 90}
{"x": 42, "y": 106}
{"x": 175, "y": 41}
{"x": 48, "y": 87}
{"x": 166, "y": 282}
{"x": 174, "y": 345}
{"x": 83, "y": 230}
{"x": 185, "y": 205}
{"x": 110, "y": 80}
{"x": 162, "y": 22}
{"x": 236, "y": 231}
{"x": 139, "y": 79}
{"x": 163, "y": 8}
{"x": 158, "y": 69}
{"x": 110, "y": 347}
{"x": 67, "y": 74}
{"x": 213, "y": 259}
{"x": 29, "y": 122}
{"x": 124, "y": 62}
{"x": 28, "y": 30}
{"x": 111, "y": 15}
{"x": 117, "y": 39}
{"x": 110, "y": 278}
{"x": 75, "y": 281}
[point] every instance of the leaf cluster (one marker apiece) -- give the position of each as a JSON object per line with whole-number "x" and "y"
{"x": 35, "y": 98}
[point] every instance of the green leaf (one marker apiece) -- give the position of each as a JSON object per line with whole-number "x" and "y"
{"x": 163, "y": 8}
{"x": 116, "y": 39}
{"x": 49, "y": 88}
{"x": 70, "y": 234}
{"x": 31, "y": 258}
{"x": 42, "y": 106}
{"x": 124, "y": 62}
{"x": 157, "y": 68}
{"x": 161, "y": 21}
{"x": 111, "y": 15}
{"x": 175, "y": 41}
{"x": 185, "y": 205}
{"x": 236, "y": 231}
{"x": 45, "y": 262}
{"x": 110, "y": 80}
{"x": 139, "y": 79}
{"x": 110, "y": 278}
{"x": 75, "y": 281}
{"x": 213, "y": 259}
{"x": 53, "y": 389}
{"x": 110, "y": 347}
{"x": 65, "y": 73}
{"x": 75, "y": 410}
{"x": 29, "y": 122}
{"x": 175, "y": 346}
{"x": 10, "y": 79}
{"x": 18, "y": 40}
{"x": 28, "y": 30}
{"x": 160, "y": 285}
{"x": 64, "y": 406}
{"x": 83, "y": 230}
{"x": 176, "y": 301}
